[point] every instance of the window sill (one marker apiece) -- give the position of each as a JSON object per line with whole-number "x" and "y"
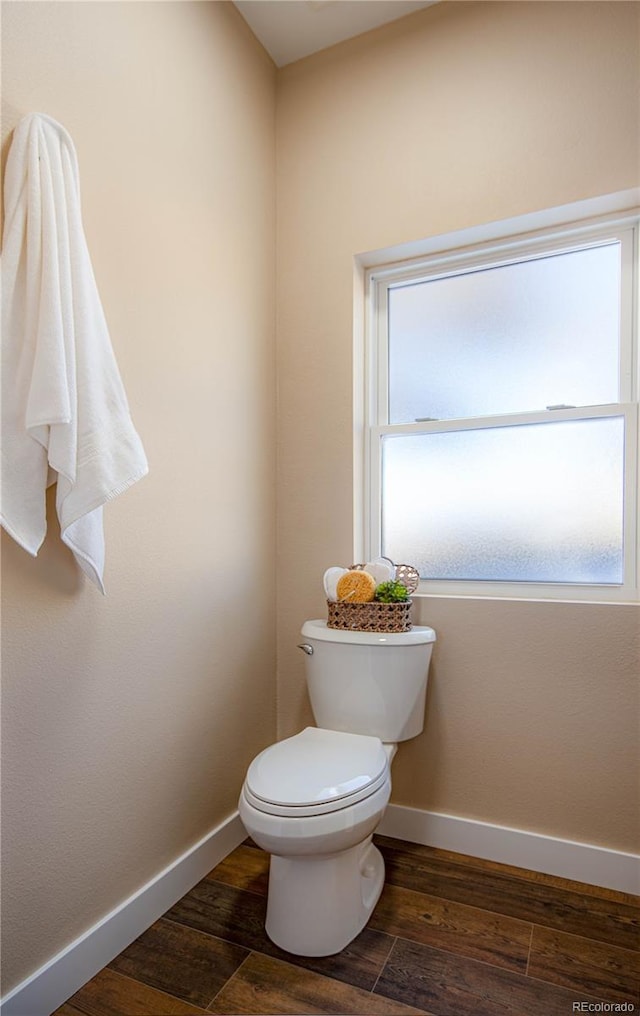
{"x": 591, "y": 599}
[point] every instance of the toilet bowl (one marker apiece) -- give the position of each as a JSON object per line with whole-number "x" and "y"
{"x": 314, "y": 800}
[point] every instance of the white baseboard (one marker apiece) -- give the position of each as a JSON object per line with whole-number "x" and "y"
{"x": 582, "y": 862}
{"x": 64, "y": 973}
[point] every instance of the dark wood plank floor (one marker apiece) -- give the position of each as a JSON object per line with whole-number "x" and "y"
{"x": 451, "y": 936}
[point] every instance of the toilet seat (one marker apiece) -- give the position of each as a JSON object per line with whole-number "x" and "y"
{"x": 315, "y": 772}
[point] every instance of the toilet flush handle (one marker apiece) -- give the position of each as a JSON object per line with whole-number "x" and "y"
{"x": 306, "y": 648}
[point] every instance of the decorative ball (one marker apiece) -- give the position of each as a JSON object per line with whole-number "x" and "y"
{"x": 408, "y": 575}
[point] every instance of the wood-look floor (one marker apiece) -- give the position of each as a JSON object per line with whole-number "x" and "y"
{"x": 451, "y": 936}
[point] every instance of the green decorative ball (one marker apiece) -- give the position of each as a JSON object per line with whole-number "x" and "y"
{"x": 391, "y": 592}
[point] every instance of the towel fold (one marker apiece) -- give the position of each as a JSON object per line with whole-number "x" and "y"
{"x": 65, "y": 416}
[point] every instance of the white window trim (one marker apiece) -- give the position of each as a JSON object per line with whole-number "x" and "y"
{"x": 457, "y": 253}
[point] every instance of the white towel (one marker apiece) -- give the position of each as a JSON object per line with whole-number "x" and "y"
{"x": 65, "y": 415}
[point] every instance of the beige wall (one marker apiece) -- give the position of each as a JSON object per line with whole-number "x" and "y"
{"x": 462, "y": 114}
{"x": 128, "y": 722}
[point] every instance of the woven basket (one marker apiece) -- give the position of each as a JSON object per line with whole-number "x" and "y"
{"x": 374, "y": 616}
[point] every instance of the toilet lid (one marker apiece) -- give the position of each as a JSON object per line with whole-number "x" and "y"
{"x": 316, "y": 771}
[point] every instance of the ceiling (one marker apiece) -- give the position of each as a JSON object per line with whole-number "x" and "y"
{"x": 292, "y": 29}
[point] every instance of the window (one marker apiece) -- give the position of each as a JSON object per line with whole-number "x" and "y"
{"x": 501, "y": 438}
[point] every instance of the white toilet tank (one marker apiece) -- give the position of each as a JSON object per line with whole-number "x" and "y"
{"x": 368, "y": 682}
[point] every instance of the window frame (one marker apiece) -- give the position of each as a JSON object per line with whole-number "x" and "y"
{"x": 372, "y": 409}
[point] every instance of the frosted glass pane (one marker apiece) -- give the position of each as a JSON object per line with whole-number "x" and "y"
{"x": 535, "y": 503}
{"x": 511, "y": 339}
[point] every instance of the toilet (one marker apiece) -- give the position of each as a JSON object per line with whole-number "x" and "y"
{"x": 314, "y": 800}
